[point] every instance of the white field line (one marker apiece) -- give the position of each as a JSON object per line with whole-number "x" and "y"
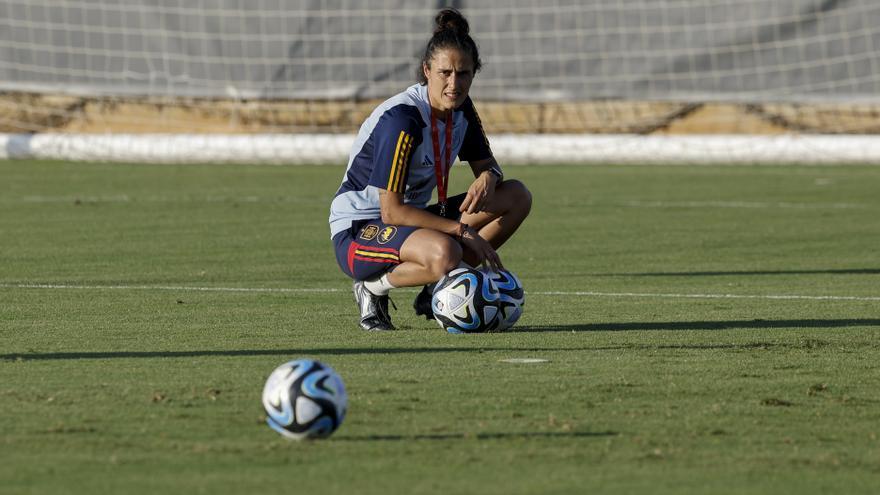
{"x": 166, "y": 288}
{"x": 709, "y": 296}
{"x": 536, "y": 293}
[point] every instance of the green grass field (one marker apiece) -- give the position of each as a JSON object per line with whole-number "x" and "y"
{"x": 708, "y": 330}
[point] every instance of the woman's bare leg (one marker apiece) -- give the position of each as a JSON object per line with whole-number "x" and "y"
{"x": 508, "y": 209}
{"x": 426, "y": 255}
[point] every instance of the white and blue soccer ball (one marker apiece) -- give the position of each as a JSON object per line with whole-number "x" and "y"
{"x": 465, "y": 301}
{"x": 511, "y": 297}
{"x": 304, "y": 399}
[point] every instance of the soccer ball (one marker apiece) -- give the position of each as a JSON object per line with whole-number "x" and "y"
{"x": 511, "y": 298}
{"x": 304, "y": 399}
{"x": 465, "y": 301}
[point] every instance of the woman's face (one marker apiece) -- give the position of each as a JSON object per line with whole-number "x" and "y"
{"x": 450, "y": 73}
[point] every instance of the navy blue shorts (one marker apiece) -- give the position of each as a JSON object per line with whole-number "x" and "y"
{"x": 372, "y": 247}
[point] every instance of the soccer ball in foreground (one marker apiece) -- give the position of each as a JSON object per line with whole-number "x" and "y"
{"x": 465, "y": 301}
{"x": 304, "y": 399}
{"x": 511, "y": 298}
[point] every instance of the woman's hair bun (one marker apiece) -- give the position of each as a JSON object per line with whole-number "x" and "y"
{"x": 451, "y": 32}
{"x": 452, "y": 20}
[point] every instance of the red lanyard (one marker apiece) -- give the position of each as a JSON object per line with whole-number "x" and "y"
{"x": 441, "y": 170}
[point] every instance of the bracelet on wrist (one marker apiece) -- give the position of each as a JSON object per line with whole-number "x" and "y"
{"x": 496, "y": 171}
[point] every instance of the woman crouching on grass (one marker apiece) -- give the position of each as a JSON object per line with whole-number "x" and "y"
{"x": 385, "y": 234}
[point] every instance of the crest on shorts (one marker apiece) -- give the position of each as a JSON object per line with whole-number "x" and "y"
{"x": 387, "y": 234}
{"x": 369, "y": 232}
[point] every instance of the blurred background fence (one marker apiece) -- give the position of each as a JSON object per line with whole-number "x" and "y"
{"x": 295, "y": 79}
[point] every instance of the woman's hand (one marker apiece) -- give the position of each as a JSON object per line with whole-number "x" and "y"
{"x": 481, "y": 247}
{"x": 479, "y": 195}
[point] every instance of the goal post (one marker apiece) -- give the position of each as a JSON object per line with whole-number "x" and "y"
{"x": 573, "y": 81}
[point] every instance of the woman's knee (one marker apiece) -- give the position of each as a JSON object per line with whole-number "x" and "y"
{"x": 519, "y": 196}
{"x": 444, "y": 257}
{"x": 435, "y": 252}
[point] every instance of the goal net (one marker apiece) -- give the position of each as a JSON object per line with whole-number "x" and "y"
{"x": 290, "y": 81}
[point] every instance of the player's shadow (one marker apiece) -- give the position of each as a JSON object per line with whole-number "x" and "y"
{"x": 477, "y": 436}
{"x": 701, "y": 325}
{"x": 581, "y": 327}
{"x": 724, "y": 273}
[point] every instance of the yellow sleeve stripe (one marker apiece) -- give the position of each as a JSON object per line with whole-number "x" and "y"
{"x": 395, "y": 162}
{"x": 400, "y": 162}
{"x": 404, "y": 163}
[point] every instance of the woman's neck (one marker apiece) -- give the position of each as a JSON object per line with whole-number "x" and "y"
{"x": 439, "y": 114}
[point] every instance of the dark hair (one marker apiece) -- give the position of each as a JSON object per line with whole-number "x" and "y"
{"x": 451, "y": 31}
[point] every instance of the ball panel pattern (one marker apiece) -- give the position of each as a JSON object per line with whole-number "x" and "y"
{"x": 511, "y": 297}
{"x": 304, "y": 399}
{"x": 464, "y": 301}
